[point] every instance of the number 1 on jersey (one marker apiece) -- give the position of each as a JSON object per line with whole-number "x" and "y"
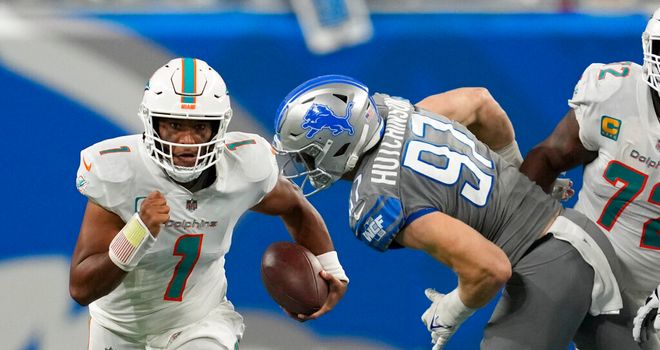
{"x": 188, "y": 247}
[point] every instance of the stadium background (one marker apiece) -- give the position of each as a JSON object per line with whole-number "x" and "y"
{"x": 71, "y": 76}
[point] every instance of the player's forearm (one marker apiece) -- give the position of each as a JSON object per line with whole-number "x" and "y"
{"x": 477, "y": 290}
{"x": 562, "y": 150}
{"x": 539, "y": 167}
{"x": 481, "y": 276}
{"x": 307, "y": 228}
{"x": 93, "y": 278}
{"x": 482, "y": 267}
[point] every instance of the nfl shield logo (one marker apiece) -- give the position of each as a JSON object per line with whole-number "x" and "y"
{"x": 657, "y": 146}
{"x": 191, "y": 204}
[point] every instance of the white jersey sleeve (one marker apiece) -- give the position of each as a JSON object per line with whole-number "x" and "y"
{"x": 593, "y": 89}
{"x": 105, "y": 172}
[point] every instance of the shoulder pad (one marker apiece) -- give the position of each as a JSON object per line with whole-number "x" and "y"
{"x": 603, "y": 87}
{"x": 252, "y": 154}
{"x": 105, "y": 168}
{"x": 600, "y": 82}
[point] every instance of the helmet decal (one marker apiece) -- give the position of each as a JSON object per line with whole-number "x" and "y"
{"x": 189, "y": 83}
{"x": 311, "y": 85}
{"x": 320, "y": 116}
{"x": 342, "y": 106}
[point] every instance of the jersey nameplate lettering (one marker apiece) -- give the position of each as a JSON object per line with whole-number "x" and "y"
{"x": 386, "y": 164}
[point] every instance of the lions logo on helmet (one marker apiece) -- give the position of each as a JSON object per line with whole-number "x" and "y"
{"x": 321, "y": 116}
{"x": 319, "y": 144}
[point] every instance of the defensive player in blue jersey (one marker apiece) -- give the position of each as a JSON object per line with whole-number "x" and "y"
{"x": 423, "y": 181}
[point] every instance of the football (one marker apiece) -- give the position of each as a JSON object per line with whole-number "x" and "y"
{"x": 290, "y": 273}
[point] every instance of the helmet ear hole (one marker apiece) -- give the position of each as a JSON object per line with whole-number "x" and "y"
{"x": 341, "y": 97}
{"x": 342, "y": 150}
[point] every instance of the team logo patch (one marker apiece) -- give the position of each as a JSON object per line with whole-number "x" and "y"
{"x": 320, "y": 117}
{"x": 173, "y": 337}
{"x": 610, "y": 127}
{"x": 81, "y": 184}
{"x": 191, "y": 205}
{"x": 373, "y": 228}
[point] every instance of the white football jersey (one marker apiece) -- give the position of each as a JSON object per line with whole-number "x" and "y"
{"x": 182, "y": 277}
{"x": 620, "y": 190}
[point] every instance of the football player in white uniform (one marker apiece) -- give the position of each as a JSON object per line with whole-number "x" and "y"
{"x": 613, "y": 129}
{"x": 160, "y": 214}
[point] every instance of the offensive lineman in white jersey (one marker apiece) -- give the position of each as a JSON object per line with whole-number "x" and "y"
{"x": 162, "y": 207}
{"x": 614, "y": 129}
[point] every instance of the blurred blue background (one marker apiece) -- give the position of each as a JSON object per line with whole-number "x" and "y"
{"x": 72, "y": 78}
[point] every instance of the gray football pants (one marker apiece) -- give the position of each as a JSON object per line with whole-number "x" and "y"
{"x": 612, "y": 332}
{"x": 548, "y": 296}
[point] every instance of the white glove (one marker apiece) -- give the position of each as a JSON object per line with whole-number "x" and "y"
{"x": 443, "y": 317}
{"x": 562, "y": 189}
{"x": 642, "y": 322}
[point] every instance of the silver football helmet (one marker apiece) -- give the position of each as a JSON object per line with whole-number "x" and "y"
{"x": 651, "y": 46}
{"x": 323, "y": 127}
{"x": 185, "y": 88}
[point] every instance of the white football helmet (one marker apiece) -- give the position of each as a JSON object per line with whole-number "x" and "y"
{"x": 185, "y": 88}
{"x": 651, "y": 46}
{"x": 323, "y": 126}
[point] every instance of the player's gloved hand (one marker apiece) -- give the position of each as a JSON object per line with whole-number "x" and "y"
{"x": 444, "y": 316}
{"x": 647, "y": 320}
{"x": 562, "y": 189}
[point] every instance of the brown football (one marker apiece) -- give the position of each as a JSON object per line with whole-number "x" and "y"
{"x": 290, "y": 273}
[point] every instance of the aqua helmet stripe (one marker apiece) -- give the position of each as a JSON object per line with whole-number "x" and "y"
{"x": 189, "y": 79}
